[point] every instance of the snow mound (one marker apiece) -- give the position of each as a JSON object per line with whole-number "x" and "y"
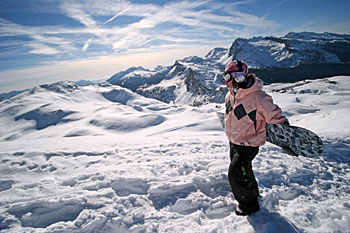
{"x": 121, "y": 96}
{"x": 128, "y": 123}
{"x": 45, "y": 118}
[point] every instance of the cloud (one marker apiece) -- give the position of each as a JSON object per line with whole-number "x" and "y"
{"x": 101, "y": 67}
{"x": 115, "y": 16}
{"x": 280, "y": 3}
{"x": 40, "y": 48}
{"x": 76, "y": 12}
{"x": 87, "y": 43}
{"x": 173, "y": 22}
{"x": 148, "y": 29}
{"x": 188, "y": 21}
{"x": 184, "y": 15}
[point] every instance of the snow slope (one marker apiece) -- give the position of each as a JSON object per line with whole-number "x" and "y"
{"x": 105, "y": 159}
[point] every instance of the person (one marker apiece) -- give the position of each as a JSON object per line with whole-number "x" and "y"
{"x": 248, "y": 109}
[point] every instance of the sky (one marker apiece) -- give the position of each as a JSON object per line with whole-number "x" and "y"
{"x": 44, "y": 41}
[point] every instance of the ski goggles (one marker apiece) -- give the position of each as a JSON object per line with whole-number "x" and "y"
{"x": 237, "y": 76}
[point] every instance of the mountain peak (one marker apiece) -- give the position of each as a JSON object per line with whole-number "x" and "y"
{"x": 59, "y": 87}
{"x": 216, "y": 54}
{"x": 316, "y": 36}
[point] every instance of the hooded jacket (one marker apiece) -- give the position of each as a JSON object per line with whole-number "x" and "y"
{"x": 247, "y": 113}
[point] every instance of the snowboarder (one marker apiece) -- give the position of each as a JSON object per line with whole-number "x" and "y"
{"x": 248, "y": 109}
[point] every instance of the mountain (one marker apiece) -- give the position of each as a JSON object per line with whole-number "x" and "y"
{"x": 292, "y": 50}
{"x": 86, "y": 82}
{"x": 102, "y": 158}
{"x": 192, "y": 80}
{"x": 4, "y": 96}
{"x": 134, "y": 77}
{"x": 195, "y": 80}
{"x": 9, "y": 95}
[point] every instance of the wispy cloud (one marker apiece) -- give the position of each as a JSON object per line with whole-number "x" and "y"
{"x": 76, "y": 12}
{"x": 118, "y": 28}
{"x": 191, "y": 21}
{"x": 41, "y": 48}
{"x": 280, "y": 3}
{"x": 188, "y": 21}
{"x": 87, "y": 43}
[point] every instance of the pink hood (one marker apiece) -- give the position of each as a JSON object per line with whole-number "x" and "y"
{"x": 247, "y": 113}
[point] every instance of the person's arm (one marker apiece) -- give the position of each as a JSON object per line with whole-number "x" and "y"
{"x": 271, "y": 111}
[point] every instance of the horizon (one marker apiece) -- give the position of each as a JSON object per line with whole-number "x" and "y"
{"x": 45, "y": 42}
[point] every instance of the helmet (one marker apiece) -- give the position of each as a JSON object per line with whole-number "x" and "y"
{"x": 236, "y": 70}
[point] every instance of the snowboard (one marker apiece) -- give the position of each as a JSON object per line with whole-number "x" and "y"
{"x": 293, "y": 140}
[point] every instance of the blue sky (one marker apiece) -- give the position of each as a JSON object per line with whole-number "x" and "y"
{"x": 43, "y": 41}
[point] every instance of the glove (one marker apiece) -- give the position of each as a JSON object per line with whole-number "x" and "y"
{"x": 286, "y": 122}
{"x": 288, "y": 151}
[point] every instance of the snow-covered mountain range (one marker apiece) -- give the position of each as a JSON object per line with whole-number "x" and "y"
{"x": 101, "y": 158}
{"x": 292, "y": 50}
{"x": 195, "y": 80}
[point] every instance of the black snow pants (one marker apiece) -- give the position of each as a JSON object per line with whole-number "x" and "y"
{"x": 241, "y": 177}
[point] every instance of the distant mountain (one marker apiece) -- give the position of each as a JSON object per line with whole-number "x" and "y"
{"x": 134, "y": 77}
{"x": 192, "y": 80}
{"x": 187, "y": 83}
{"x": 4, "y": 96}
{"x": 195, "y": 80}
{"x": 8, "y": 95}
{"x": 292, "y": 50}
{"x": 85, "y": 82}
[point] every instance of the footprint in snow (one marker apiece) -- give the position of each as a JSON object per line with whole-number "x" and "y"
{"x": 6, "y": 185}
{"x": 44, "y": 214}
{"x": 126, "y": 186}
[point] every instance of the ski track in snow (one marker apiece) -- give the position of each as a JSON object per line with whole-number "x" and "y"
{"x": 167, "y": 174}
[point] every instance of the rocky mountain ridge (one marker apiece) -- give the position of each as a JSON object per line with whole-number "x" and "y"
{"x": 292, "y": 50}
{"x": 195, "y": 80}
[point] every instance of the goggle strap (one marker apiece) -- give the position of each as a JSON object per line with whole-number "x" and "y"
{"x": 239, "y": 65}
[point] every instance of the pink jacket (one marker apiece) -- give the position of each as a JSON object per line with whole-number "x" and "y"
{"x": 247, "y": 113}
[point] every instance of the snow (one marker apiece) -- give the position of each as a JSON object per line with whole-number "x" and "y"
{"x": 105, "y": 159}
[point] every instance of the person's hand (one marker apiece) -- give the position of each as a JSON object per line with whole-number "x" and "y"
{"x": 286, "y": 122}
{"x": 288, "y": 151}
